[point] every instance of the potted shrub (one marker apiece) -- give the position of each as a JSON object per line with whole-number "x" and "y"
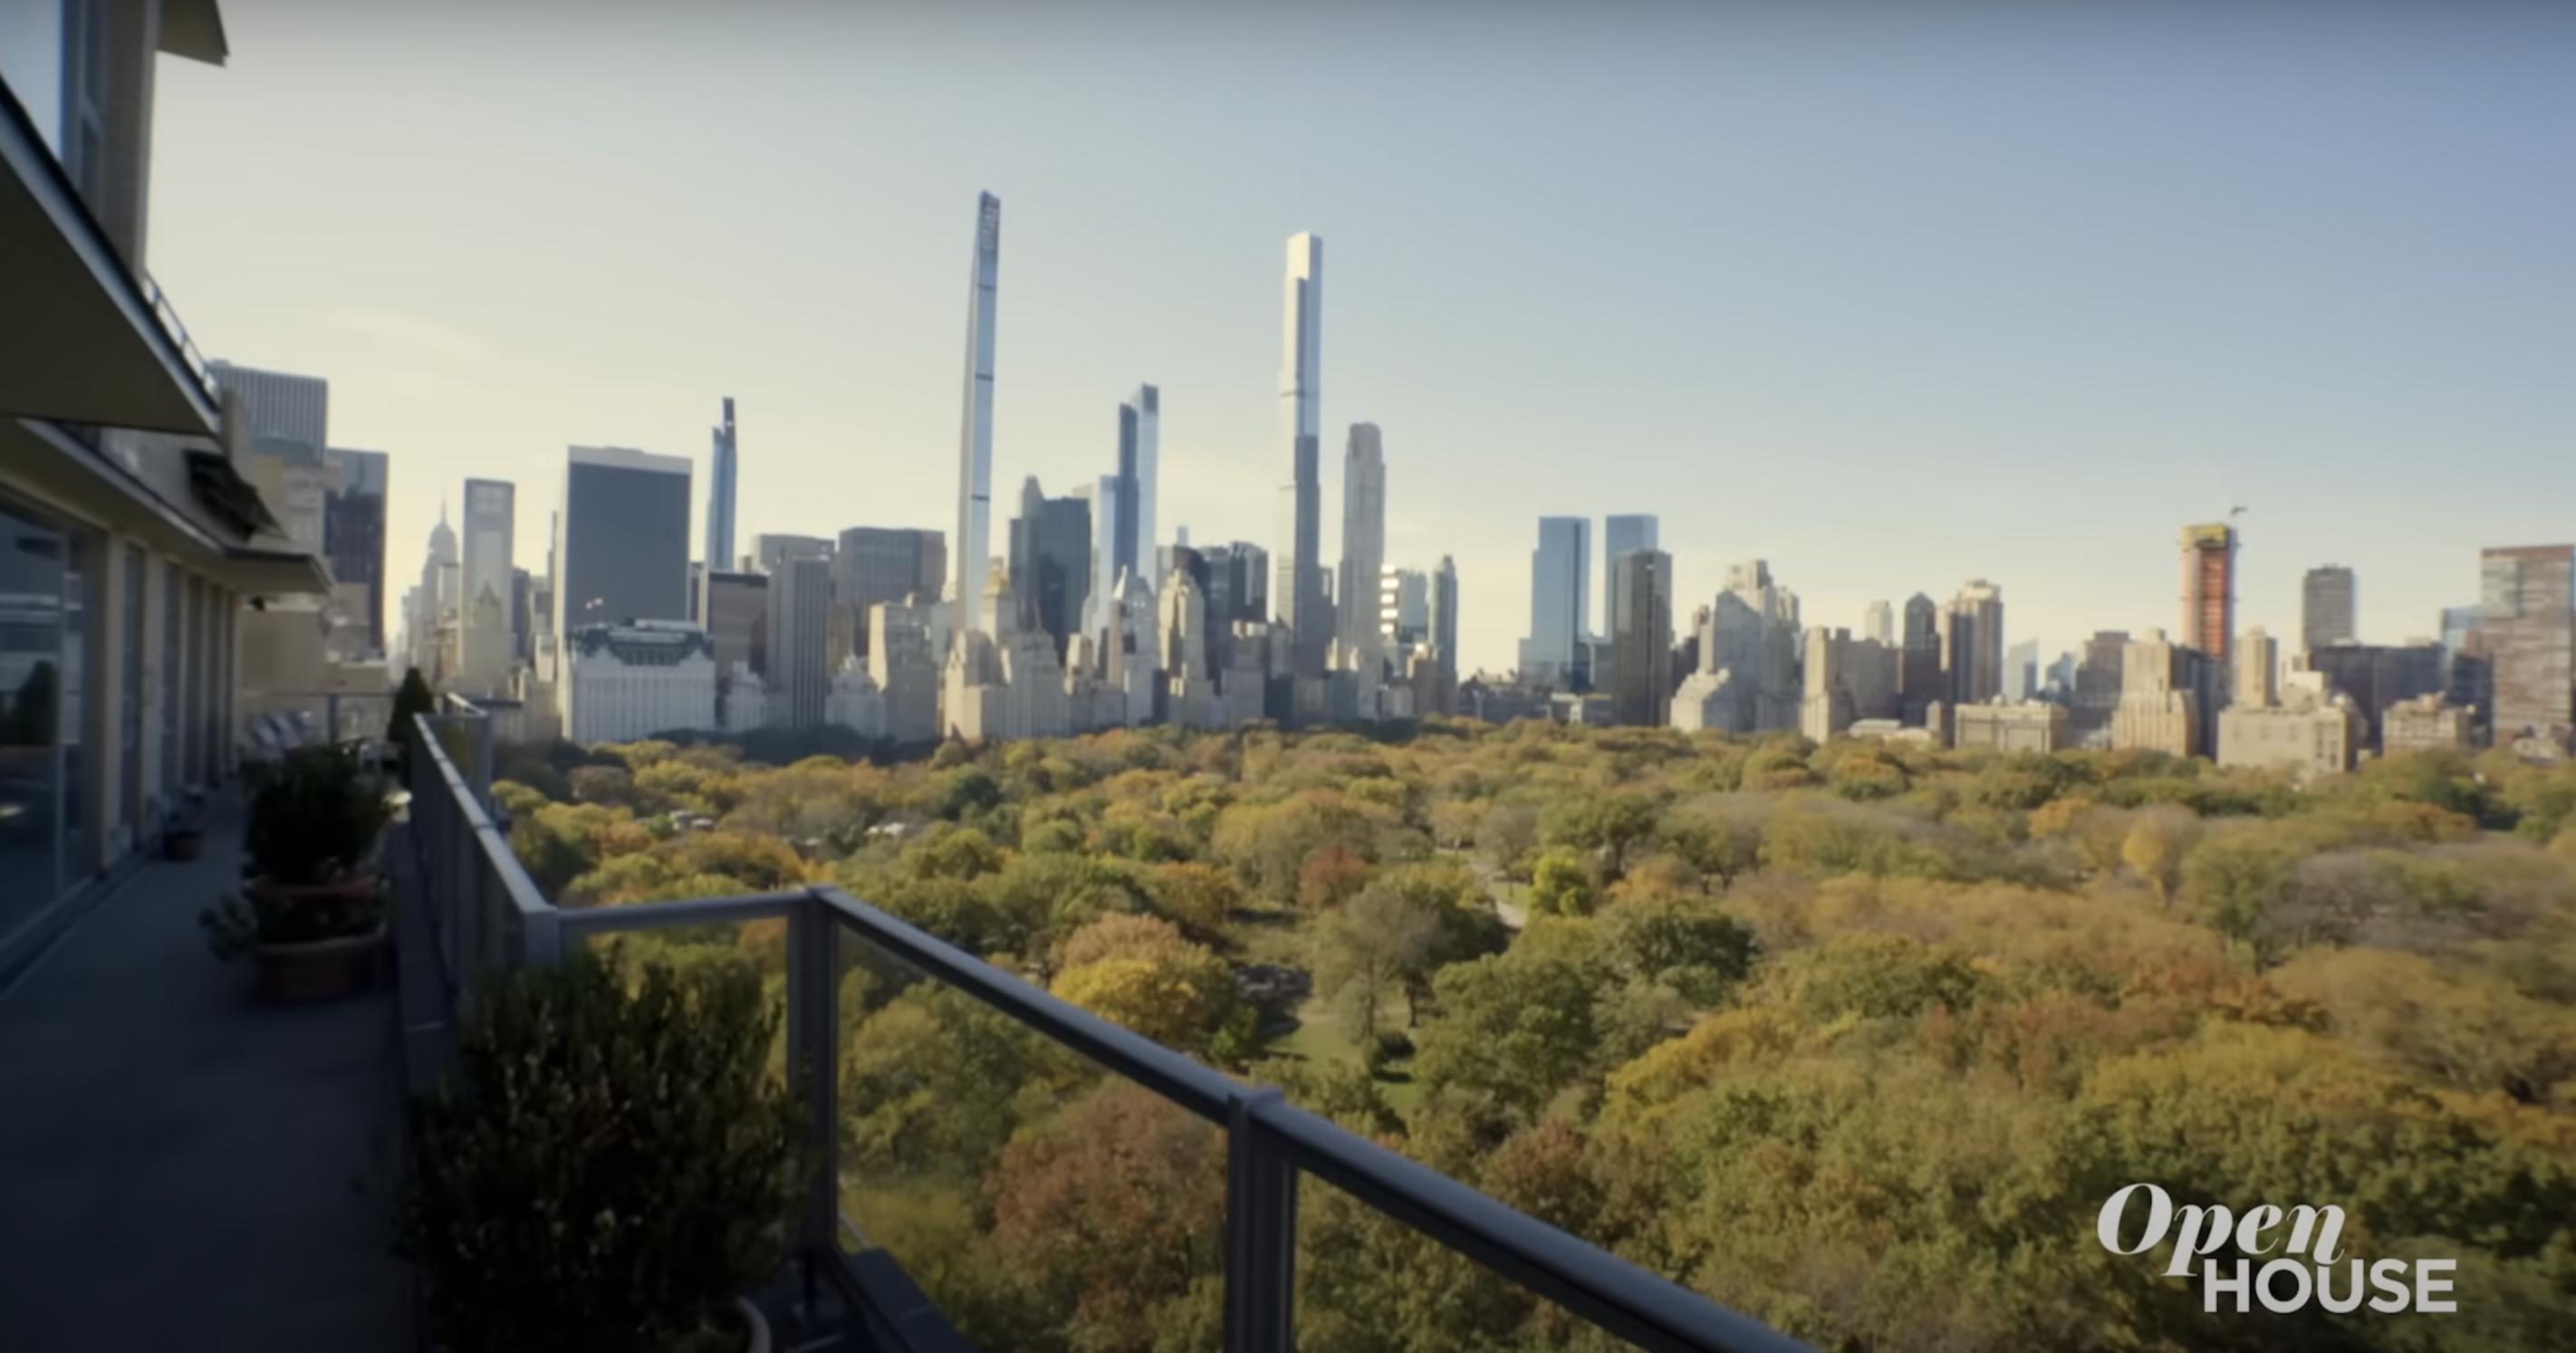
{"x": 311, "y": 911}
{"x": 609, "y": 1166}
{"x": 181, "y": 838}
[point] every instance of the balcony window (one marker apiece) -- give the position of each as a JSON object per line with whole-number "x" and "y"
{"x": 174, "y": 665}
{"x": 129, "y": 691}
{"x": 31, "y": 702}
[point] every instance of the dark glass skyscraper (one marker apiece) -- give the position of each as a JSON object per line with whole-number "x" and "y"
{"x": 353, "y": 529}
{"x": 624, "y": 549}
{"x": 1051, "y": 562}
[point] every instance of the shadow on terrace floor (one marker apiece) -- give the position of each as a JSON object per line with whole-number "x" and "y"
{"x": 182, "y": 1166}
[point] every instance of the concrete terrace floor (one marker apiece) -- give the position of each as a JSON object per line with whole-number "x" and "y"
{"x": 181, "y": 1166}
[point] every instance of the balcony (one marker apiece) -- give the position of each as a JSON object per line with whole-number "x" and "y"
{"x": 1244, "y": 1155}
{"x": 182, "y": 1167}
{"x": 90, "y": 340}
{"x": 188, "y": 1168}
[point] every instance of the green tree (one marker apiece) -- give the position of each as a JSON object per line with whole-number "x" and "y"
{"x": 1561, "y": 885}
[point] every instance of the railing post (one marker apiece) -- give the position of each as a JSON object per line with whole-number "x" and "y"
{"x": 813, "y": 1068}
{"x": 481, "y": 779}
{"x": 1260, "y": 1231}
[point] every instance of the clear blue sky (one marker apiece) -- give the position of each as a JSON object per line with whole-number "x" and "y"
{"x": 1893, "y": 296}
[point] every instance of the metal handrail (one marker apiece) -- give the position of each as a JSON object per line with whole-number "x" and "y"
{"x": 1270, "y": 1141}
{"x": 1198, "y": 1088}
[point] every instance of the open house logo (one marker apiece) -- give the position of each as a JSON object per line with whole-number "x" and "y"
{"x": 2304, "y": 1268}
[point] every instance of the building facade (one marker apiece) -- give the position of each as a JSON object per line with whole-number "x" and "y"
{"x": 2427, "y": 723}
{"x": 877, "y": 565}
{"x": 2158, "y": 709}
{"x": 1299, "y": 589}
{"x": 721, "y": 471}
{"x": 624, "y": 682}
{"x": 2529, "y": 637}
{"x": 1360, "y": 603}
{"x": 1050, "y": 563}
{"x": 966, "y": 590}
{"x": 1641, "y": 633}
{"x": 2025, "y": 726}
{"x": 623, "y": 550}
{"x": 1560, "y": 583}
{"x": 800, "y": 667}
{"x": 1623, "y": 533}
{"x": 2376, "y": 677}
{"x": 485, "y": 643}
{"x": 2326, "y": 608}
{"x": 2209, "y": 590}
{"x": 353, "y": 540}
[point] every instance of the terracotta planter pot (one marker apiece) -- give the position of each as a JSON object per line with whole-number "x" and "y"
{"x": 182, "y": 843}
{"x": 329, "y": 967}
{"x": 265, "y": 893}
{"x": 322, "y": 970}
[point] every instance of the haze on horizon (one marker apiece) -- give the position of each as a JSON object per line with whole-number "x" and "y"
{"x": 1893, "y": 297}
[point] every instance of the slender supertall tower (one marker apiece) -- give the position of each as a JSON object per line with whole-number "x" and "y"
{"x": 1139, "y": 465}
{"x": 1300, "y": 581}
{"x": 975, "y": 436}
{"x": 719, "y": 556}
{"x": 1363, "y": 544}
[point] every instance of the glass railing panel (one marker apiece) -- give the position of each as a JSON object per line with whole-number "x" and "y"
{"x": 1044, "y": 1202}
{"x": 1367, "y": 1283}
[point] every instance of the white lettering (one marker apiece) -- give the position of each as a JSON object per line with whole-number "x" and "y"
{"x": 2189, "y": 1241}
{"x": 2257, "y": 1220}
{"x": 2263, "y": 1285}
{"x": 2428, "y": 1288}
{"x": 2211, "y": 1284}
{"x": 2325, "y": 1289}
{"x": 2159, "y": 1216}
{"x": 2389, "y": 1276}
{"x": 2303, "y": 1224}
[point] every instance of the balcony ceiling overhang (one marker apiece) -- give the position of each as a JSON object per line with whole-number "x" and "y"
{"x": 67, "y": 477}
{"x": 194, "y": 29}
{"x": 274, "y": 573}
{"x": 80, "y": 341}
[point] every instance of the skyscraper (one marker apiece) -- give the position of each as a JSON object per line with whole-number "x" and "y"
{"x": 1444, "y": 619}
{"x": 1100, "y": 600}
{"x": 1139, "y": 462}
{"x": 484, "y": 643}
{"x": 1972, "y": 646}
{"x": 2021, "y": 671}
{"x": 1920, "y": 679}
{"x": 770, "y": 550}
{"x": 1363, "y": 545}
{"x": 1641, "y": 636}
{"x": 2326, "y": 608}
{"x": 2526, "y": 628}
{"x": 353, "y": 533}
{"x": 1559, "y": 583}
{"x": 1299, "y": 592}
{"x": 1620, "y": 535}
{"x": 623, "y": 549}
{"x": 800, "y": 673}
{"x": 975, "y": 436}
{"x": 2209, "y": 589}
{"x": 879, "y": 564}
{"x": 1878, "y": 624}
{"x": 1050, "y": 563}
{"x": 720, "y": 476}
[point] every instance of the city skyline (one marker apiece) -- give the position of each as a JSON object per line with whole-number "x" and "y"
{"x": 2119, "y": 431}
